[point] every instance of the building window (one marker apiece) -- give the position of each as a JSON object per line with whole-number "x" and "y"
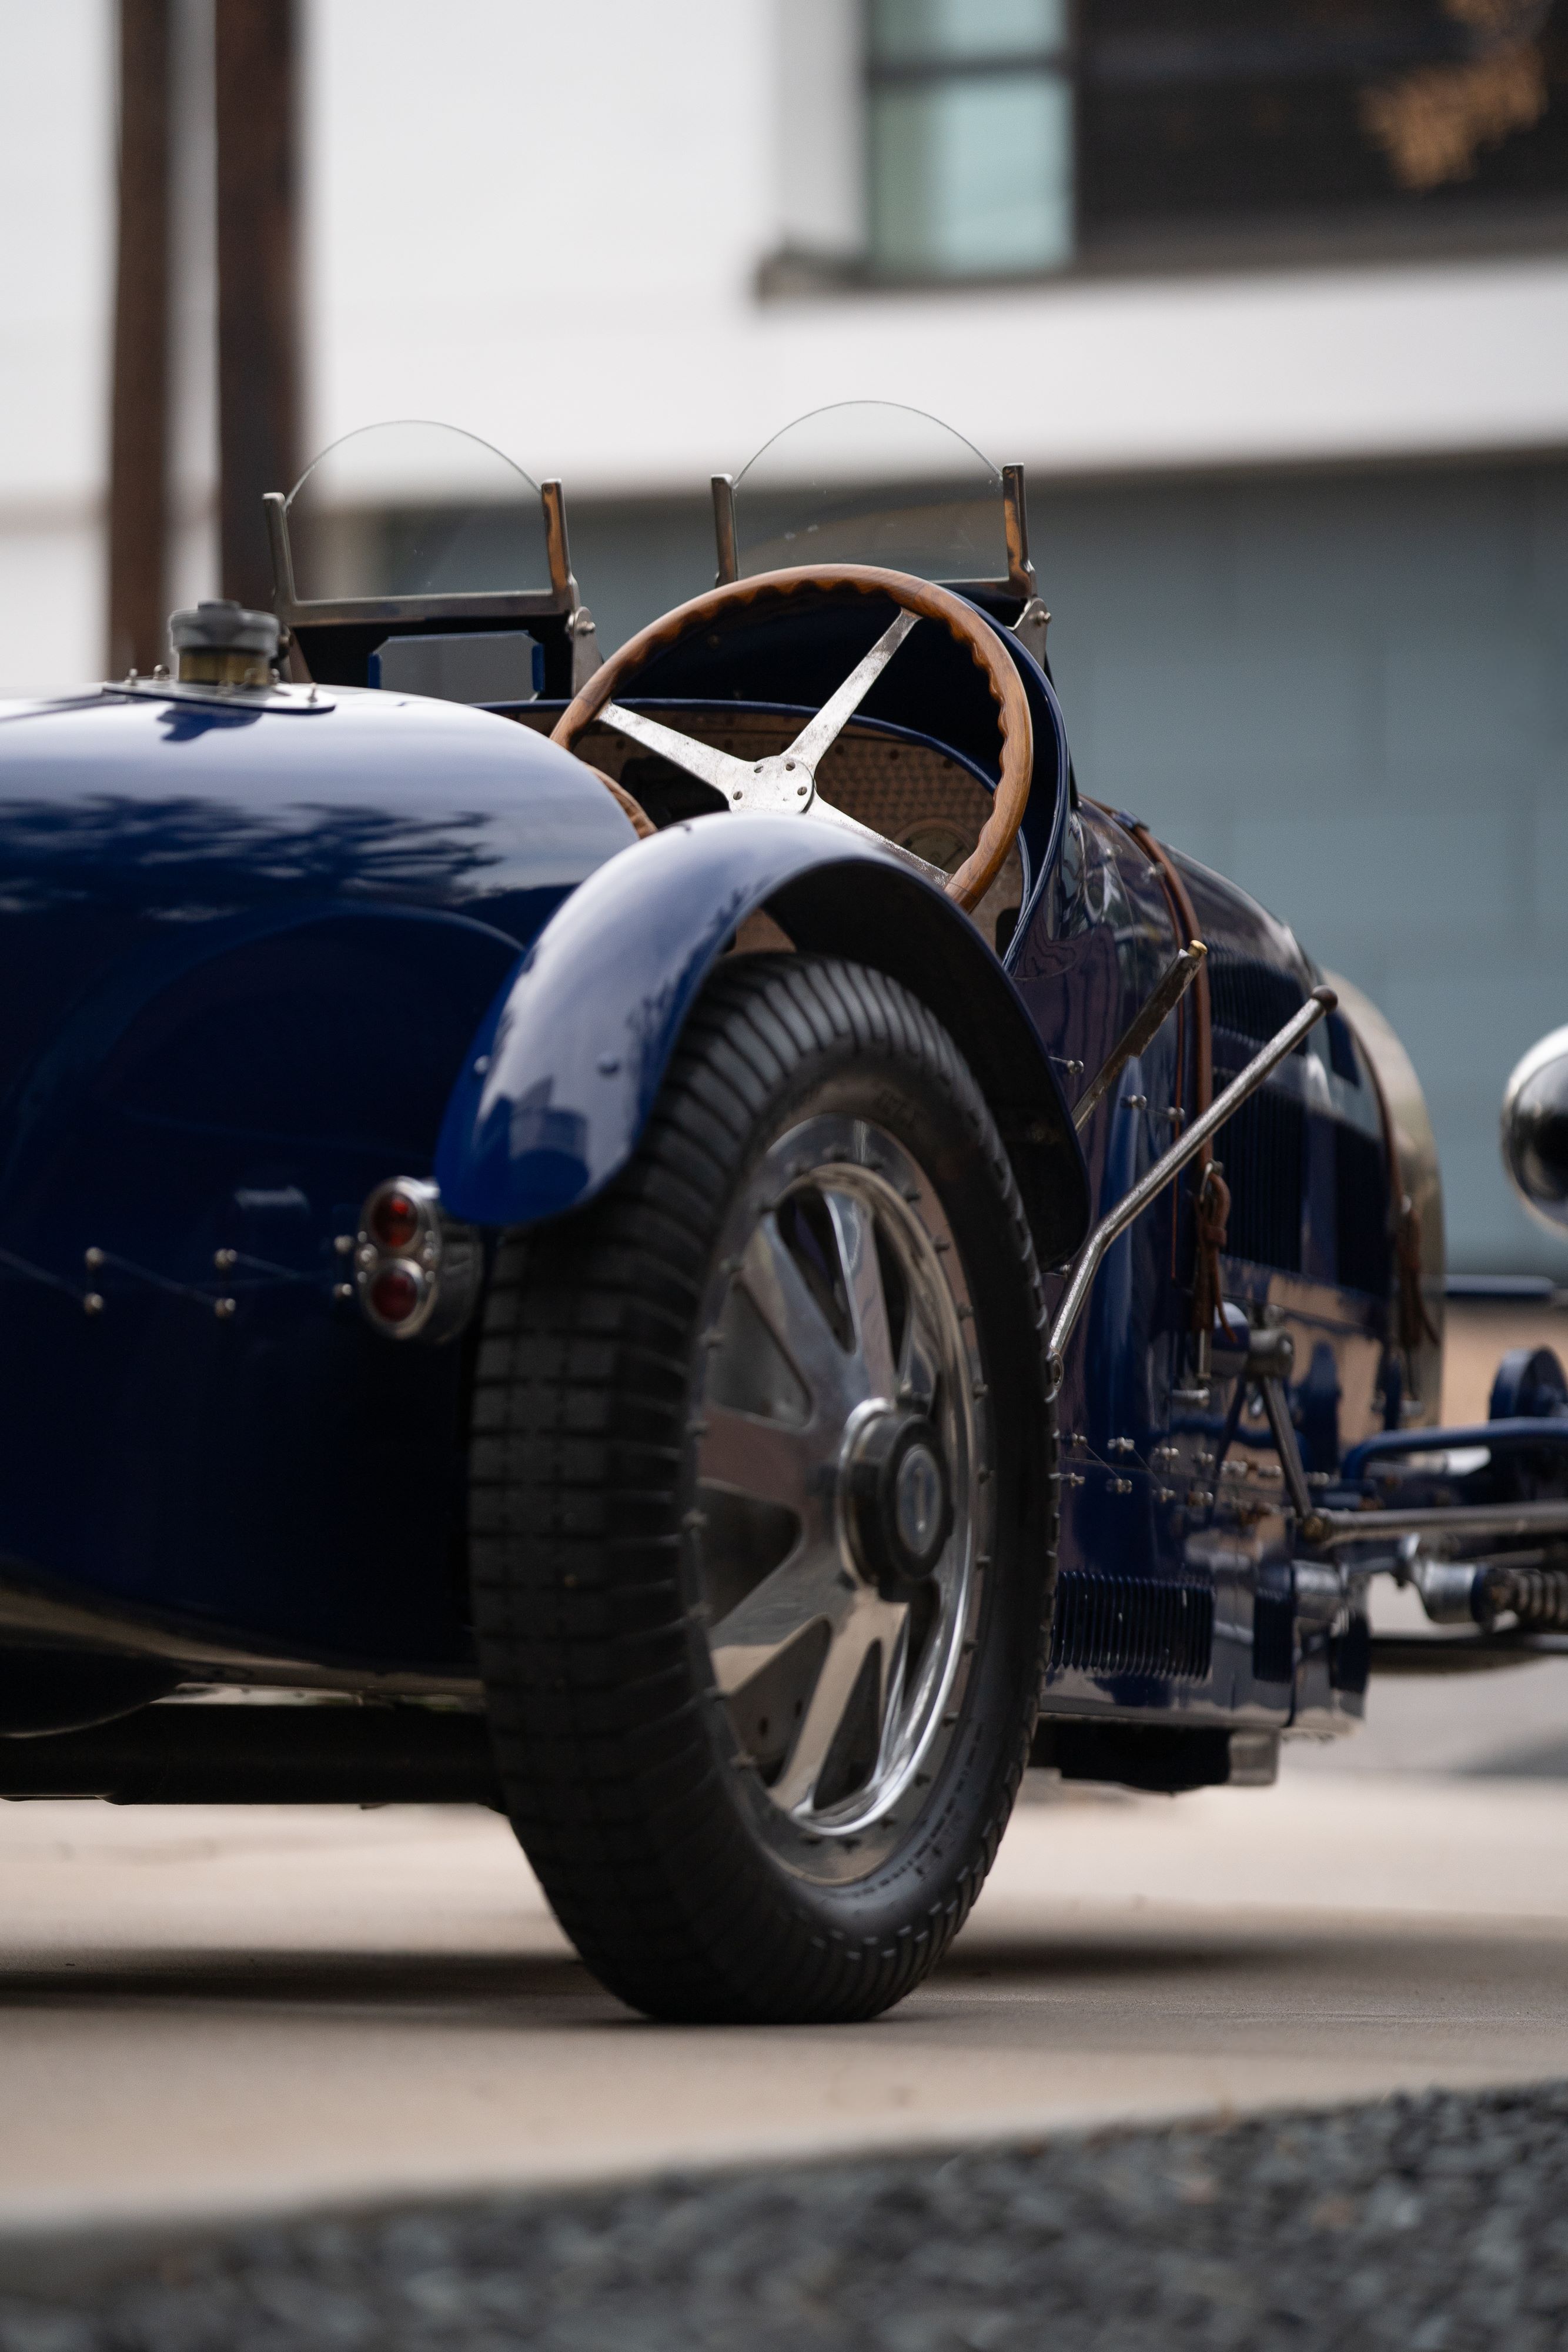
{"x": 971, "y": 136}
{"x": 1334, "y": 117}
{"x": 1024, "y": 135}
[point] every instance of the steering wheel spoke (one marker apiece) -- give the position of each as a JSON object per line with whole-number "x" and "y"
{"x": 703, "y": 760}
{"x": 819, "y": 734}
{"x": 826, "y": 814}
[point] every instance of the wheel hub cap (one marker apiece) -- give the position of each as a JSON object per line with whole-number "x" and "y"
{"x": 900, "y": 1507}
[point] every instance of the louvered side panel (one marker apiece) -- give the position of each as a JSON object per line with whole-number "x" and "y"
{"x": 1133, "y": 1625}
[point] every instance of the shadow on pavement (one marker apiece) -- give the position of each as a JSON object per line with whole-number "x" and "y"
{"x": 349, "y": 1980}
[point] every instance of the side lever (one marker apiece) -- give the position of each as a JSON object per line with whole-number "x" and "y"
{"x": 1149, "y": 1186}
{"x": 1140, "y": 1031}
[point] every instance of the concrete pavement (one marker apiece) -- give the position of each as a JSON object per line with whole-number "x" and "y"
{"x": 210, "y": 2014}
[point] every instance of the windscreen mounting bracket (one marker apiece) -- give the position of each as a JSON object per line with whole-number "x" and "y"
{"x": 1029, "y": 625}
{"x": 336, "y": 636}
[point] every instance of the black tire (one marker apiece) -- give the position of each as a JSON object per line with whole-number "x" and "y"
{"x": 689, "y": 1888}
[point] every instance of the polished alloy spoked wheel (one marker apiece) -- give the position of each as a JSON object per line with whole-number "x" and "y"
{"x": 762, "y": 1513}
{"x": 840, "y": 1463}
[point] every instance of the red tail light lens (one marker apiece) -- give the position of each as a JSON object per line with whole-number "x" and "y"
{"x": 395, "y": 1221}
{"x": 395, "y": 1294}
{"x": 417, "y": 1276}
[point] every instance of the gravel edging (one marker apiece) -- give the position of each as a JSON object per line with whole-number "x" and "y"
{"x": 1437, "y": 2224}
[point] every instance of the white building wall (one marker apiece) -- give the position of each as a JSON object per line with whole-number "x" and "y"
{"x": 57, "y": 164}
{"x": 819, "y": 130}
{"x": 547, "y": 224}
{"x": 523, "y": 218}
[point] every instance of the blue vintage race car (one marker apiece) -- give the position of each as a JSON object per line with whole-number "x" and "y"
{"x": 725, "y": 1339}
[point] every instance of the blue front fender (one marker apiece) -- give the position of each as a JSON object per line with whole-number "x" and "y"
{"x": 566, "y": 1065}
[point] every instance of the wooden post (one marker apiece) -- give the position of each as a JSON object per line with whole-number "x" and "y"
{"x": 138, "y": 452}
{"x": 258, "y": 365}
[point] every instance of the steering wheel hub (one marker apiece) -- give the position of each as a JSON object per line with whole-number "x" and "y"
{"x": 782, "y": 786}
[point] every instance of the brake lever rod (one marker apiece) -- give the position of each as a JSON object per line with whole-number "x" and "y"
{"x": 1140, "y": 1031}
{"x": 1149, "y": 1186}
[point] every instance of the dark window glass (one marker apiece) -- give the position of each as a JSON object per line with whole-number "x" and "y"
{"x": 1222, "y": 110}
{"x": 1019, "y": 134}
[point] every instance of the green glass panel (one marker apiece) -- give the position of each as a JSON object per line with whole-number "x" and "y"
{"x": 973, "y": 175}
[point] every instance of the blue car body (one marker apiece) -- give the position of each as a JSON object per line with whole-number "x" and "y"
{"x": 258, "y": 960}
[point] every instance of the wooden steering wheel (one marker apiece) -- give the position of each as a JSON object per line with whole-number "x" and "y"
{"x": 786, "y": 784}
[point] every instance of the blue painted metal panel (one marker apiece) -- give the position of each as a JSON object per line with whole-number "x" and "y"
{"x": 243, "y": 954}
{"x": 567, "y": 1067}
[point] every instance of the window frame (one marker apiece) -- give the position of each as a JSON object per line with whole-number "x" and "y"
{"x": 1387, "y": 227}
{"x": 1057, "y": 60}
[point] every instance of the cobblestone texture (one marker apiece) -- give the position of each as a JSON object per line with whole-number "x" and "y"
{"x": 1434, "y": 2224}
